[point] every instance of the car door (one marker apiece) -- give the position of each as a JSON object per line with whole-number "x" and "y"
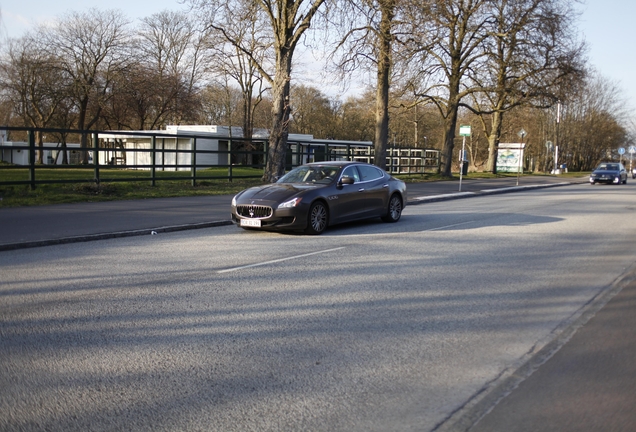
{"x": 348, "y": 202}
{"x": 623, "y": 174}
{"x": 376, "y": 189}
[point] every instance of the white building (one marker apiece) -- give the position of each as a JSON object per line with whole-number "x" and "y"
{"x": 18, "y": 153}
{"x": 174, "y": 147}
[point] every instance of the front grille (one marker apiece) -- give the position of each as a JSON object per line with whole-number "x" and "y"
{"x": 254, "y": 211}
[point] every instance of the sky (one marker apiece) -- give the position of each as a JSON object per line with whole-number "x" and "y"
{"x": 606, "y": 25}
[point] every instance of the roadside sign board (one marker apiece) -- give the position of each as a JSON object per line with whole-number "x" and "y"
{"x": 632, "y": 149}
{"x": 464, "y": 130}
{"x": 509, "y": 157}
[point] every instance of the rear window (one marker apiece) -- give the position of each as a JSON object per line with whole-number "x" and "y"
{"x": 368, "y": 173}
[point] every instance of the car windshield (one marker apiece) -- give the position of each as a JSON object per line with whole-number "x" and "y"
{"x": 322, "y": 174}
{"x": 608, "y": 167}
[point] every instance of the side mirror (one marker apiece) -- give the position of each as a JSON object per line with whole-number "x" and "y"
{"x": 347, "y": 181}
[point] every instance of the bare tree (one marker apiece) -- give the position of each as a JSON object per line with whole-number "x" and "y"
{"x": 239, "y": 48}
{"x": 219, "y": 104}
{"x": 91, "y": 47}
{"x": 592, "y": 124}
{"x": 32, "y": 81}
{"x": 369, "y": 32}
{"x": 173, "y": 51}
{"x": 449, "y": 37}
{"x": 533, "y": 59}
{"x": 239, "y": 68}
{"x": 288, "y": 20}
{"x": 313, "y": 112}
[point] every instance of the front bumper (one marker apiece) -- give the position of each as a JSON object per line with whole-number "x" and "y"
{"x": 286, "y": 219}
{"x": 606, "y": 179}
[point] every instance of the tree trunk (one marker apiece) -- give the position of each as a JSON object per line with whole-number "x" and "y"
{"x": 493, "y": 141}
{"x": 450, "y": 120}
{"x": 81, "y": 124}
{"x": 40, "y": 152}
{"x": 383, "y": 83}
{"x": 275, "y": 166}
{"x": 64, "y": 151}
{"x": 248, "y": 127}
{"x": 450, "y": 125}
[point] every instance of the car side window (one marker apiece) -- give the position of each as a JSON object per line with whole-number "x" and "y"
{"x": 351, "y": 172}
{"x": 369, "y": 173}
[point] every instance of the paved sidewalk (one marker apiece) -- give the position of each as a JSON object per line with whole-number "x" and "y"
{"x": 23, "y": 227}
{"x": 587, "y": 385}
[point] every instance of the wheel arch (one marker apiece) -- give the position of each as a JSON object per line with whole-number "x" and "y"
{"x": 327, "y": 206}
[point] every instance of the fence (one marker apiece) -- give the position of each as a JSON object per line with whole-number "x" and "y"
{"x": 194, "y": 154}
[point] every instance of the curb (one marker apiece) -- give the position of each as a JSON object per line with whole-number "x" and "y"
{"x": 104, "y": 236}
{"x": 458, "y": 195}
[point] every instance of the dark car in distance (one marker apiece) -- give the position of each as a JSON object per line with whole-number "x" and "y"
{"x": 314, "y": 196}
{"x": 609, "y": 172}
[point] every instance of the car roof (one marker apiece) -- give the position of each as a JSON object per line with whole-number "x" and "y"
{"x": 338, "y": 163}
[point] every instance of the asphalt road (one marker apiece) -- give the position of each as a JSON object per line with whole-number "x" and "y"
{"x": 421, "y": 325}
{"x": 53, "y": 224}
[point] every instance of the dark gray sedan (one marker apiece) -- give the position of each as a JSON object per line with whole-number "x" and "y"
{"x": 314, "y": 196}
{"x": 609, "y": 172}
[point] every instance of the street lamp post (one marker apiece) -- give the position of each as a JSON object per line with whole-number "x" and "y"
{"x": 415, "y": 122}
{"x": 464, "y": 131}
{"x": 522, "y": 134}
{"x": 556, "y": 140}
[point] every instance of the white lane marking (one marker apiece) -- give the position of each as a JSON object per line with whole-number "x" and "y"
{"x": 278, "y": 260}
{"x": 447, "y": 226}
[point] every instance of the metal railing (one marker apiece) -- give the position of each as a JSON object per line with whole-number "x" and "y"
{"x": 191, "y": 156}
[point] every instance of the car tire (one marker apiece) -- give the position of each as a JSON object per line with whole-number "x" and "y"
{"x": 394, "y": 210}
{"x": 317, "y": 219}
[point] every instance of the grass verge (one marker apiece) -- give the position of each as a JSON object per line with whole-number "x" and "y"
{"x": 119, "y": 184}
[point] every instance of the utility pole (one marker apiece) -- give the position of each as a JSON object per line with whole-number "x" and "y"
{"x": 415, "y": 123}
{"x": 522, "y": 134}
{"x": 556, "y": 139}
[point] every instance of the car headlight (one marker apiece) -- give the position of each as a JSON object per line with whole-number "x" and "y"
{"x": 291, "y": 203}
{"x": 234, "y": 201}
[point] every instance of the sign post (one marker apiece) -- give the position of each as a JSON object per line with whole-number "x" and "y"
{"x": 464, "y": 131}
{"x": 621, "y": 152}
{"x": 522, "y": 134}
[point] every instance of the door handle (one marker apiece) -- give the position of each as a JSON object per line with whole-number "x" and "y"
{"x": 361, "y": 190}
